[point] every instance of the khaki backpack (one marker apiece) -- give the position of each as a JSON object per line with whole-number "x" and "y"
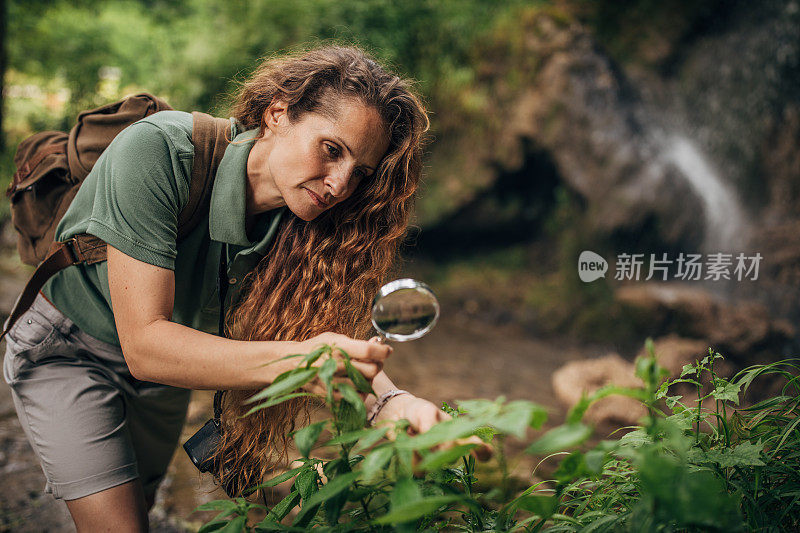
{"x": 51, "y": 166}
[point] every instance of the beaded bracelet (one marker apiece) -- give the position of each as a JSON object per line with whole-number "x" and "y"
{"x": 382, "y": 401}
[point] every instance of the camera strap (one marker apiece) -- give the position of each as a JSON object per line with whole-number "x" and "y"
{"x": 222, "y": 289}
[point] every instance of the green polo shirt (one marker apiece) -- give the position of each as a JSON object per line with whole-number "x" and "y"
{"x": 132, "y": 199}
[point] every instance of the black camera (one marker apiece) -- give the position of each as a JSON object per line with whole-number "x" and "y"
{"x": 202, "y": 445}
{"x": 201, "y": 449}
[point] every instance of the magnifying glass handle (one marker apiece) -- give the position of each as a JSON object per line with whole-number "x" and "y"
{"x": 379, "y": 338}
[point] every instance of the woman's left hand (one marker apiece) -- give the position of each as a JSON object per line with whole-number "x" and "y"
{"x": 422, "y": 415}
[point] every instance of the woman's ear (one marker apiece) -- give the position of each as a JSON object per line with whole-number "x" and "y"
{"x": 276, "y": 115}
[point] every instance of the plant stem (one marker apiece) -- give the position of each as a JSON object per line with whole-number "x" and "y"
{"x": 699, "y": 404}
{"x": 364, "y": 506}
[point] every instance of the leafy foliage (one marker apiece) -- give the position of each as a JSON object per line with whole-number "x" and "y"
{"x": 710, "y": 464}
{"x": 191, "y": 51}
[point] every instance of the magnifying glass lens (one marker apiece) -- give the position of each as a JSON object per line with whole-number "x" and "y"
{"x": 404, "y": 310}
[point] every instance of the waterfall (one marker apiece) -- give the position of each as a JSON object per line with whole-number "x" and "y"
{"x": 726, "y": 227}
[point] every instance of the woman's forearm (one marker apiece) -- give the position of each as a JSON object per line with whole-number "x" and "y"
{"x": 380, "y": 384}
{"x": 173, "y": 354}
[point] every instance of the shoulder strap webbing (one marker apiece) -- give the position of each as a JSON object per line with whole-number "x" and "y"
{"x": 210, "y": 137}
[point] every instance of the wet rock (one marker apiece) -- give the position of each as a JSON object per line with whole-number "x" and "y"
{"x": 779, "y": 243}
{"x": 780, "y": 165}
{"x": 572, "y": 102}
{"x": 729, "y": 87}
{"x": 582, "y": 109}
{"x": 710, "y": 127}
{"x": 577, "y": 378}
{"x": 735, "y": 329}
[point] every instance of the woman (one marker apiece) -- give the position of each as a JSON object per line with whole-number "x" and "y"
{"x": 309, "y": 204}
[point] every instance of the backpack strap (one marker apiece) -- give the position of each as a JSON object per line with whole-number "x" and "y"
{"x": 210, "y": 137}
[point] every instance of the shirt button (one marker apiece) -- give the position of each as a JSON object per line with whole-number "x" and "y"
{"x": 232, "y": 281}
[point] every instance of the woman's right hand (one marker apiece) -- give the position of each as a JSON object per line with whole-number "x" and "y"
{"x": 367, "y": 357}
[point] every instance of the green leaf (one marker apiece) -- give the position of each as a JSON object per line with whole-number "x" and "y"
{"x": 688, "y": 370}
{"x": 375, "y": 461}
{"x": 726, "y": 391}
{"x": 481, "y": 408}
{"x": 405, "y": 455}
{"x": 276, "y": 401}
{"x": 306, "y": 437}
{"x": 335, "y": 467}
{"x": 542, "y": 506}
{"x": 331, "y": 488}
{"x": 217, "y": 505}
{"x": 745, "y": 454}
{"x": 235, "y": 526}
{"x": 350, "y": 395}
{"x": 306, "y": 482}
{"x": 515, "y": 417}
{"x": 416, "y": 509}
{"x": 277, "y": 480}
{"x": 327, "y": 371}
{"x": 438, "y": 459}
{"x": 538, "y": 419}
{"x": 686, "y": 495}
{"x": 560, "y": 438}
{"x": 575, "y": 414}
{"x": 371, "y": 438}
{"x": 672, "y": 401}
{"x": 294, "y": 379}
{"x": 353, "y": 436}
{"x": 333, "y": 506}
{"x": 442, "y": 432}
{"x": 282, "y": 508}
{"x": 595, "y": 460}
{"x": 405, "y": 491}
{"x": 305, "y": 516}
{"x": 312, "y": 356}
{"x": 355, "y": 416}
{"x": 647, "y": 369}
{"x": 572, "y": 467}
{"x": 359, "y": 381}
{"x": 485, "y": 433}
{"x": 650, "y": 347}
{"x": 214, "y": 525}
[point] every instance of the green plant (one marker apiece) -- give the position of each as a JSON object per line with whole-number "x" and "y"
{"x": 706, "y": 464}
{"x": 701, "y": 464}
{"x": 374, "y": 483}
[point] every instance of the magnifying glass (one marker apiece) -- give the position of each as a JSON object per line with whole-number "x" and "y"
{"x": 404, "y": 310}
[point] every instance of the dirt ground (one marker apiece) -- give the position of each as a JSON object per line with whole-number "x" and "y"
{"x": 460, "y": 359}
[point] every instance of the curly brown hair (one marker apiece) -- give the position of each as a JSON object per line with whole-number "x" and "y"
{"x": 320, "y": 275}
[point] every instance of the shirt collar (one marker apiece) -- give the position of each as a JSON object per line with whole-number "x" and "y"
{"x": 226, "y": 216}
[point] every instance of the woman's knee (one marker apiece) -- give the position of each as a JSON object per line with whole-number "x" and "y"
{"x": 120, "y": 509}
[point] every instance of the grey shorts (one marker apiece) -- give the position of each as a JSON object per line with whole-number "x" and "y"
{"x": 92, "y": 424}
